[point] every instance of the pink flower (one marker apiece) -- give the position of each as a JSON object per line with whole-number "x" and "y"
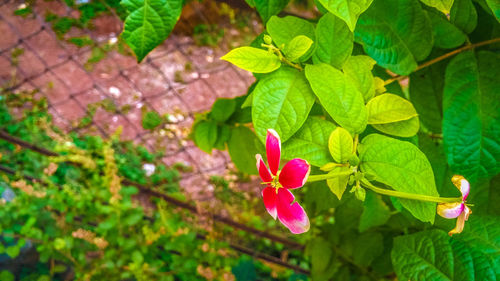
{"x": 279, "y": 201}
{"x": 458, "y": 209}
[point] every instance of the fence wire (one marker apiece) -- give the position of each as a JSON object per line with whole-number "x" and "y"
{"x": 178, "y": 78}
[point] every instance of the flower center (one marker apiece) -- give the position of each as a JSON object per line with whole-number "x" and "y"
{"x": 275, "y": 182}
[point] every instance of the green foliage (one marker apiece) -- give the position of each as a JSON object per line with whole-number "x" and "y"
{"x": 253, "y": 59}
{"x": 269, "y": 8}
{"x": 148, "y": 23}
{"x": 297, "y": 47}
{"x": 470, "y": 256}
{"x": 338, "y": 96}
{"x": 348, "y": 11}
{"x": 310, "y": 142}
{"x": 284, "y": 30}
{"x": 340, "y": 145}
{"x": 443, "y": 6}
{"x": 471, "y": 124}
{"x": 281, "y": 101}
{"x": 334, "y": 41}
{"x": 391, "y": 39}
{"x": 151, "y": 120}
{"x": 205, "y": 135}
{"x": 375, "y": 212}
{"x": 402, "y": 166}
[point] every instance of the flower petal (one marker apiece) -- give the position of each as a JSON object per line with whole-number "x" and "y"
{"x": 450, "y": 210}
{"x": 467, "y": 212}
{"x": 294, "y": 174}
{"x": 273, "y": 150}
{"x": 459, "y": 226}
{"x": 291, "y": 215}
{"x": 263, "y": 171}
{"x": 462, "y": 184}
{"x": 270, "y": 199}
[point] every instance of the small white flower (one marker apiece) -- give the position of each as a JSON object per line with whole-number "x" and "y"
{"x": 149, "y": 169}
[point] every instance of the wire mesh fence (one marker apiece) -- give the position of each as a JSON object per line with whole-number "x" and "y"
{"x": 178, "y": 78}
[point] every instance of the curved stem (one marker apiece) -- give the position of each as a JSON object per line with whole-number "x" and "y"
{"x": 411, "y": 196}
{"x": 327, "y": 176}
{"x": 445, "y": 56}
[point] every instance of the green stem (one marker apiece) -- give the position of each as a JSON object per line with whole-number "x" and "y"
{"x": 327, "y": 176}
{"x": 411, "y": 196}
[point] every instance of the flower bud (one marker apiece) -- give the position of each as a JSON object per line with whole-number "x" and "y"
{"x": 353, "y": 160}
{"x": 267, "y": 39}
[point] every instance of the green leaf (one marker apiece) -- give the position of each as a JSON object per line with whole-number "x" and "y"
{"x": 375, "y": 212}
{"x": 405, "y": 129}
{"x": 482, "y": 234}
{"x": 334, "y": 41}
{"x": 269, "y": 8}
{"x": 242, "y": 147}
{"x": 471, "y": 119}
{"x": 472, "y": 255}
{"x": 429, "y": 251}
{"x": 446, "y": 35}
{"x": 396, "y": 33}
{"x": 338, "y": 185}
{"x": 283, "y": 30}
{"x": 359, "y": 70}
{"x": 223, "y": 135}
{"x": 297, "y": 47}
{"x": 426, "y": 94}
{"x": 148, "y": 24}
{"x": 389, "y": 108}
{"x": 321, "y": 254}
{"x": 253, "y": 59}
{"x": 347, "y": 10}
{"x": 7, "y": 276}
{"x": 443, "y": 6}
{"x": 368, "y": 247}
{"x": 402, "y": 166}
{"x": 495, "y": 8}
{"x": 463, "y": 15}
{"x": 12, "y": 251}
{"x": 151, "y": 120}
{"x": 281, "y": 101}
{"x": 310, "y": 142}
{"x": 205, "y": 135}
{"x": 222, "y": 109}
{"x": 340, "y": 145}
{"x": 338, "y": 95}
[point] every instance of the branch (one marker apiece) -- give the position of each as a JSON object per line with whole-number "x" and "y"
{"x": 443, "y": 57}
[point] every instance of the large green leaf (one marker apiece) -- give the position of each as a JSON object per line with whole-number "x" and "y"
{"x": 483, "y": 235}
{"x": 495, "y": 8}
{"x": 347, "y": 10}
{"x": 446, "y": 35}
{"x": 473, "y": 255}
{"x": 283, "y": 30}
{"x": 443, "y": 6}
{"x": 389, "y": 108}
{"x": 148, "y": 24}
{"x": 375, "y": 212}
{"x": 396, "y": 33}
{"x": 310, "y": 142}
{"x": 405, "y": 129}
{"x": 269, "y": 8}
{"x": 253, "y": 59}
{"x": 340, "y": 145}
{"x": 222, "y": 109}
{"x": 463, "y": 15}
{"x": 205, "y": 135}
{"x": 338, "y": 95}
{"x": 402, "y": 166}
{"x": 281, "y": 101}
{"x": 359, "y": 70}
{"x": 471, "y": 113}
{"x": 423, "y": 256}
{"x": 334, "y": 41}
{"x": 426, "y": 94}
{"x": 242, "y": 147}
